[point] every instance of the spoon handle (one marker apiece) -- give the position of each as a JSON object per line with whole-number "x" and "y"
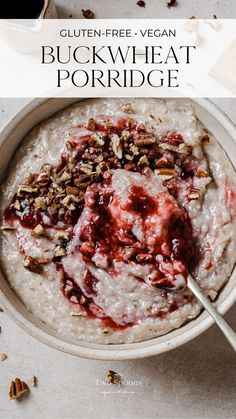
{"x": 224, "y": 327}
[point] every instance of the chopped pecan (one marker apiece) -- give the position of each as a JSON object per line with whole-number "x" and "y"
{"x": 17, "y": 205}
{"x": 181, "y": 149}
{"x": 82, "y": 300}
{"x": 99, "y": 139}
{"x": 163, "y": 310}
{"x": 127, "y": 108}
{"x": 81, "y": 185}
{"x": 140, "y": 128}
{"x": 194, "y": 193}
{"x": 39, "y": 203}
{"x": 164, "y": 173}
{"x": 43, "y": 178}
{"x": 171, "y": 3}
{"x": 38, "y": 231}
{"x": 71, "y": 190}
{"x": 206, "y": 139}
{"x": 78, "y": 313}
{"x": 163, "y": 162}
{"x": 129, "y": 157}
{"x": 141, "y": 3}
{"x": 43, "y": 261}
{"x": 86, "y": 168}
{"x": 60, "y": 251}
{"x": 64, "y": 177}
{"x": 26, "y": 189}
{"x": 201, "y": 173}
{"x": 62, "y": 235}
{"x": 134, "y": 150}
{"x": 116, "y": 146}
{"x": 91, "y": 124}
{"x": 143, "y": 161}
{"x": 53, "y": 208}
{"x": 69, "y": 145}
{"x": 144, "y": 257}
{"x": 113, "y": 377}
{"x": 126, "y": 135}
{"x": 17, "y": 389}
{"x": 129, "y": 252}
{"x": 32, "y": 265}
{"x": 88, "y": 14}
{"x": 212, "y": 294}
{"x": 7, "y": 228}
{"x": 144, "y": 138}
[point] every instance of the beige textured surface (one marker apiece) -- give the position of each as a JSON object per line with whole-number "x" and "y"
{"x": 195, "y": 381}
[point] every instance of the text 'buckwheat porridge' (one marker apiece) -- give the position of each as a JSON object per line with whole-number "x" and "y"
{"x": 106, "y": 208}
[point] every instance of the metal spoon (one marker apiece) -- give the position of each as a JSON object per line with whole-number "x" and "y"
{"x": 224, "y": 327}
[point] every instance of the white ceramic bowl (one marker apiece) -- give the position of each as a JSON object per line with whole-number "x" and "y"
{"x": 10, "y": 137}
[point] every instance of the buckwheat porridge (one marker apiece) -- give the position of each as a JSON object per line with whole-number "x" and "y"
{"x": 107, "y": 207}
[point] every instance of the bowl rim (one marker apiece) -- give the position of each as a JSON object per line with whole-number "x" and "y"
{"x": 117, "y": 351}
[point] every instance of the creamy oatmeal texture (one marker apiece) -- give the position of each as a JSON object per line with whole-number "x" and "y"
{"x": 111, "y": 204}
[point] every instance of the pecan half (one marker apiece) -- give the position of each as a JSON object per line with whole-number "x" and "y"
{"x": 17, "y": 389}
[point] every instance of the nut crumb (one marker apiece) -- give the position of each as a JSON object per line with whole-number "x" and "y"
{"x": 3, "y": 356}
{"x": 171, "y": 3}
{"x": 32, "y": 382}
{"x": 88, "y": 14}
{"x": 141, "y": 3}
{"x": 78, "y": 314}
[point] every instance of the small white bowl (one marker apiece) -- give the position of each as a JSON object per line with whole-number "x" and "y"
{"x": 10, "y": 137}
